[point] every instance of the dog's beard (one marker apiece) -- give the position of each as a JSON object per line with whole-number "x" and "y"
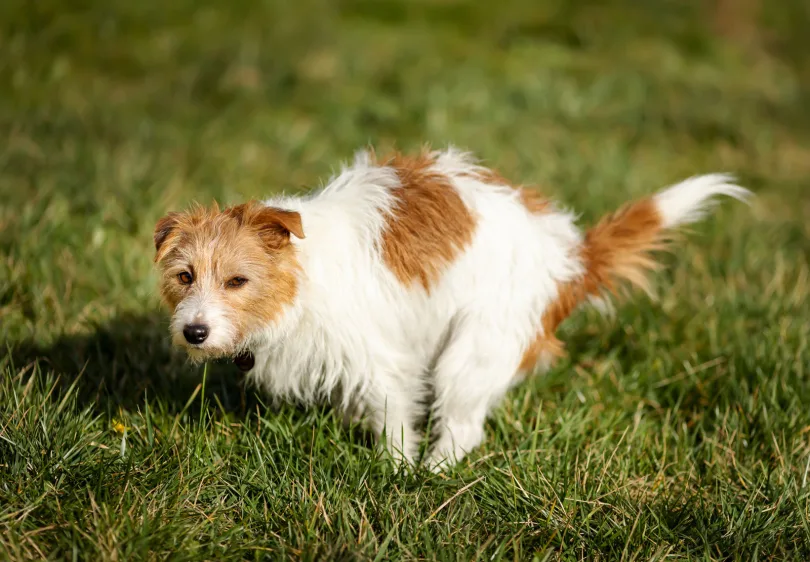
{"x": 240, "y": 355}
{"x": 197, "y": 355}
{"x": 244, "y": 360}
{"x": 206, "y": 352}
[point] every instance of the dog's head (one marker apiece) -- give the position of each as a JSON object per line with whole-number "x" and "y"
{"x": 226, "y": 274}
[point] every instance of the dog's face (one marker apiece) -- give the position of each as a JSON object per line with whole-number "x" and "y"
{"x": 226, "y": 274}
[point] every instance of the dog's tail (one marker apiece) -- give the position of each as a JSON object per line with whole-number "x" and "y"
{"x": 617, "y": 251}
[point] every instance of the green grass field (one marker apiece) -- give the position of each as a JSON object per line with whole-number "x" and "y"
{"x": 679, "y": 429}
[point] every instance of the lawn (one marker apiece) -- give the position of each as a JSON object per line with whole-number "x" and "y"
{"x": 679, "y": 428}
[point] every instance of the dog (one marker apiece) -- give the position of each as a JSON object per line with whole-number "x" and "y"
{"x": 405, "y": 276}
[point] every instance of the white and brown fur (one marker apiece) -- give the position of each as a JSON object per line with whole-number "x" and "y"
{"x": 403, "y": 273}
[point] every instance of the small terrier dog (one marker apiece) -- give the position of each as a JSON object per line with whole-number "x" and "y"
{"x": 404, "y": 277}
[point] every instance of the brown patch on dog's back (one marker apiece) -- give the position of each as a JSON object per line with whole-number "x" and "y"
{"x": 430, "y": 225}
{"x": 491, "y": 176}
{"x": 616, "y": 250}
{"x": 534, "y": 201}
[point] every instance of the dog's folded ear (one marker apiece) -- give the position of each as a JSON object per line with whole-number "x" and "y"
{"x": 288, "y": 221}
{"x": 163, "y": 229}
{"x": 274, "y": 225}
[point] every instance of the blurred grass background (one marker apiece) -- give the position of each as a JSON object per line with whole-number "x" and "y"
{"x": 679, "y": 429}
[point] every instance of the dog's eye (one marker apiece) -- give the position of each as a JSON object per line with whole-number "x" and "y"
{"x": 236, "y": 282}
{"x": 185, "y": 278}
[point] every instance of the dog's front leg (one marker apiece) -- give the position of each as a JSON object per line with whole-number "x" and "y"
{"x": 392, "y": 409}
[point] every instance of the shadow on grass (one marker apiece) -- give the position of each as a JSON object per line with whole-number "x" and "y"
{"x": 129, "y": 359}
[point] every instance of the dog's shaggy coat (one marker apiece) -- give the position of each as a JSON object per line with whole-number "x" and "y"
{"x": 405, "y": 273}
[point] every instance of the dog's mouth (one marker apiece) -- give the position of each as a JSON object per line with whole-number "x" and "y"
{"x": 244, "y": 361}
{"x": 198, "y": 353}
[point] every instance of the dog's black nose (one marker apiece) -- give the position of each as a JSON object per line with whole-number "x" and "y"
{"x": 195, "y": 333}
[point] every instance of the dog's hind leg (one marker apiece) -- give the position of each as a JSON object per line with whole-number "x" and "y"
{"x": 472, "y": 374}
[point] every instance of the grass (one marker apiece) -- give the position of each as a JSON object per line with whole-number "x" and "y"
{"x": 678, "y": 429}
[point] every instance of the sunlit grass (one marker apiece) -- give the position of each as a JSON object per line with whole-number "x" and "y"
{"x": 679, "y": 428}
